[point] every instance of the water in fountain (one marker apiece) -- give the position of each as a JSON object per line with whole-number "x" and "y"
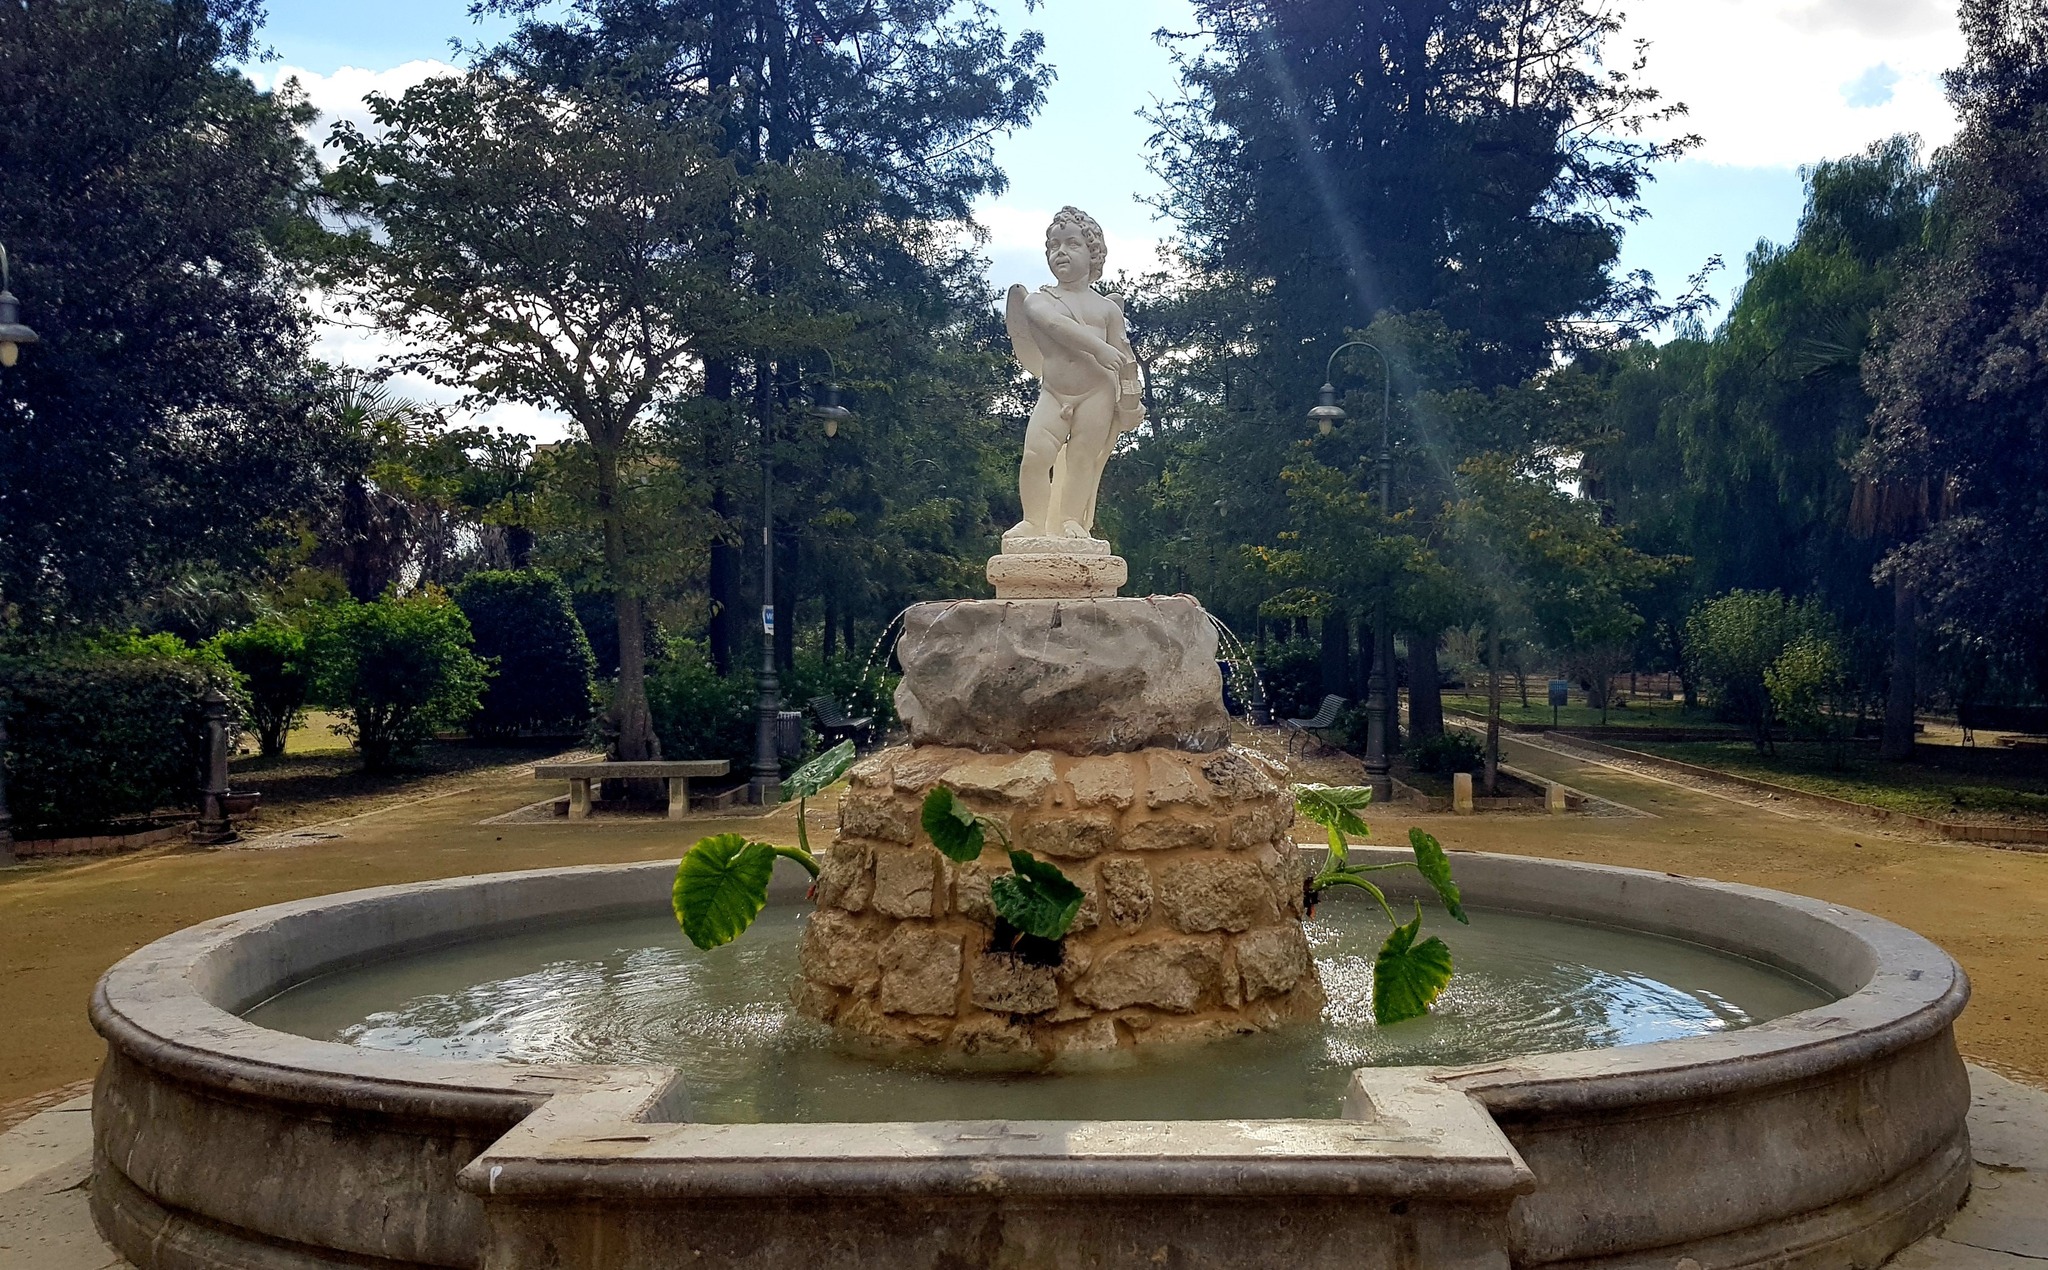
{"x": 1242, "y": 667}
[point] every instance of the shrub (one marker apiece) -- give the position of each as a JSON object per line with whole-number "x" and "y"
{"x": 1807, "y": 683}
{"x": 523, "y": 621}
{"x": 1448, "y": 752}
{"x": 276, "y": 670}
{"x": 697, "y": 714}
{"x": 106, "y": 731}
{"x": 1293, "y": 675}
{"x": 398, "y": 670}
{"x": 1734, "y": 639}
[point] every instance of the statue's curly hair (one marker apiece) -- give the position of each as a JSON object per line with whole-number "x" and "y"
{"x": 1091, "y": 233}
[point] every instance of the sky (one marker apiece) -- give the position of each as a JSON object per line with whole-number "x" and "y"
{"x": 1769, "y": 85}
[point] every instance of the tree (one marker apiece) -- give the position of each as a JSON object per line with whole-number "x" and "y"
{"x": 398, "y": 670}
{"x": 524, "y": 625}
{"x": 160, "y": 427}
{"x": 1955, "y": 458}
{"x": 271, "y": 657}
{"x": 1736, "y": 640}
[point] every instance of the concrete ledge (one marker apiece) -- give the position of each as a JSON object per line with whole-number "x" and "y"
{"x": 1826, "y": 1138}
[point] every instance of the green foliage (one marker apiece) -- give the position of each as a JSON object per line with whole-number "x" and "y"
{"x": 953, "y": 826}
{"x": 399, "y": 670}
{"x": 812, "y": 779}
{"x": 1447, "y": 752}
{"x": 1036, "y": 898}
{"x": 276, "y": 667}
{"x": 1293, "y": 675}
{"x": 159, "y": 429}
{"x": 1733, "y": 642}
{"x": 1406, "y": 976}
{"x": 721, "y": 887}
{"x": 1807, "y": 683}
{"x": 523, "y": 623}
{"x": 699, "y": 715}
{"x": 96, "y": 735}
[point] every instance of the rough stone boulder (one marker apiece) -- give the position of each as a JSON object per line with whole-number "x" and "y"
{"x": 1097, "y": 676}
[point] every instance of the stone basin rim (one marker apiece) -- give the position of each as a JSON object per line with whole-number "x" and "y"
{"x": 151, "y": 1006}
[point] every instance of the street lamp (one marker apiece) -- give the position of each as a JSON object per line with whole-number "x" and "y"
{"x": 12, "y": 333}
{"x": 1379, "y": 686}
{"x": 764, "y": 787}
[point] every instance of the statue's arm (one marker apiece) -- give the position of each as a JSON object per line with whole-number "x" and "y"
{"x": 1053, "y": 322}
{"x": 1017, "y": 319}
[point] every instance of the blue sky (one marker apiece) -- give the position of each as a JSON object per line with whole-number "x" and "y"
{"x": 1770, "y": 85}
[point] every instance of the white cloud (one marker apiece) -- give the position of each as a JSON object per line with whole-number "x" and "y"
{"x": 340, "y": 95}
{"x": 1768, "y": 81}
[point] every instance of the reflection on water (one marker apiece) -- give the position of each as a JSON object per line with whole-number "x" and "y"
{"x": 633, "y": 990}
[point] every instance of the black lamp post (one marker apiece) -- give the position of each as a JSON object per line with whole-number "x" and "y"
{"x": 764, "y": 787}
{"x": 1379, "y": 686}
{"x": 12, "y": 333}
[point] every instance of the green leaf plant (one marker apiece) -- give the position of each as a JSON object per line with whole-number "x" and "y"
{"x": 722, "y": 884}
{"x": 1406, "y": 976}
{"x": 1035, "y": 899}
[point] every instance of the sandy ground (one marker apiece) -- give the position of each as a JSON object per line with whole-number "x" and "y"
{"x": 61, "y": 925}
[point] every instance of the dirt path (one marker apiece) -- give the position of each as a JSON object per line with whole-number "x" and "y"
{"x": 61, "y": 925}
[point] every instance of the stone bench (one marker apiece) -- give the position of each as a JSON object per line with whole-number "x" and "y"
{"x": 677, "y": 773}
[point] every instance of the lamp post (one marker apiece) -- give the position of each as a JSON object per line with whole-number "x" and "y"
{"x": 1379, "y": 686}
{"x": 764, "y": 787}
{"x": 12, "y": 333}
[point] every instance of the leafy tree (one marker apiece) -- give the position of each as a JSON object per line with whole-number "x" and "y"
{"x": 1807, "y": 683}
{"x": 1956, "y": 448}
{"x": 271, "y": 657}
{"x": 399, "y": 669}
{"x": 1736, "y": 640}
{"x": 524, "y": 625}
{"x": 160, "y": 427}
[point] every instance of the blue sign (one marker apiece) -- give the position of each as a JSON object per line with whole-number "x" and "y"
{"x": 1560, "y": 693}
{"x": 768, "y": 619}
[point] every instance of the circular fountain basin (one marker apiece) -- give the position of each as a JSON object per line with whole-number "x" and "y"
{"x": 1775, "y": 1083}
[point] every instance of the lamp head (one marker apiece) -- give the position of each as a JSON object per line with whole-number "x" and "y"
{"x": 12, "y": 333}
{"x": 829, "y": 409}
{"x": 1326, "y": 413}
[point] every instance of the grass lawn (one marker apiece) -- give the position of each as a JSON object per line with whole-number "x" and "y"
{"x": 1946, "y": 781}
{"x": 1641, "y": 712}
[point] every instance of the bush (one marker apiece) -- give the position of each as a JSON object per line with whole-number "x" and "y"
{"x": 523, "y": 621}
{"x": 105, "y": 732}
{"x": 398, "y": 670}
{"x": 1293, "y": 675}
{"x": 1808, "y": 683}
{"x": 277, "y": 672}
{"x": 1732, "y": 642}
{"x": 1448, "y": 752}
{"x": 698, "y": 715}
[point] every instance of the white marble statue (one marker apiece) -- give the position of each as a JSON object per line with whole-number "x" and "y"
{"x": 1072, "y": 337}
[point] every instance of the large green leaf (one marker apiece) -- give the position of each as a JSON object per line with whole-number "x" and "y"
{"x": 1036, "y": 899}
{"x": 721, "y": 887}
{"x": 1407, "y": 976}
{"x": 1435, "y": 867}
{"x": 818, "y": 775}
{"x": 954, "y": 828}
{"x": 1335, "y": 808}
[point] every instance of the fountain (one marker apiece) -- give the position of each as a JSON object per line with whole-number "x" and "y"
{"x": 527, "y": 1070}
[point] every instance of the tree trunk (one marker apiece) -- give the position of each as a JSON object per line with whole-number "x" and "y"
{"x": 1425, "y": 691}
{"x": 722, "y": 581}
{"x": 786, "y": 563}
{"x": 831, "y": 633}
{"x": 636, "y": 740}
{"x": 1336, "y": 636}
{"x": 1898, "y": 742}
{"x": 1492, "y": 708}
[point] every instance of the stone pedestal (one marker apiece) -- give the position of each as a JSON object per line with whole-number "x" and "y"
{"x": 1034, "y": 568}
{"x": 1093, "y": 730}
{"x": 1191, "y": 929}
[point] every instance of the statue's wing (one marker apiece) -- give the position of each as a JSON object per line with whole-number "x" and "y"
{"x": 1022, "y": 339}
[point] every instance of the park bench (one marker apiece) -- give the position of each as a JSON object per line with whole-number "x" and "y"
{"x": 834, "y": 724}
{"x": 1307, "y": 729}
{"x": 676, "y": 772}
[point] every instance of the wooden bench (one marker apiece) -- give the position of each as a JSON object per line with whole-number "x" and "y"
{"x": 676, "y": 772}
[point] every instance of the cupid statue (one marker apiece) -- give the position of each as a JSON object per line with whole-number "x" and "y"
{"x": 1089, "y": 392}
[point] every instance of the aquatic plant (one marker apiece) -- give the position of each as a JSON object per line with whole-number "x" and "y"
{"x": 722, "y": 884}
{"x": 1035, "y": 898}
{"x": 1406, "y": 976}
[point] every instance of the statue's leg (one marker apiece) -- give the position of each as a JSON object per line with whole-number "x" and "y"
{"x": 1043, "y": 439}
{"x": 1087, "y": 454}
